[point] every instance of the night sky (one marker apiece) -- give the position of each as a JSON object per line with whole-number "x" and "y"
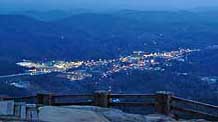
{"x": 105, "y": 4}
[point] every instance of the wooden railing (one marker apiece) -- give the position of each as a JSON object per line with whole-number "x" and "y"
{"x": 198, "y": 109}
{"x": 162, "y": 102}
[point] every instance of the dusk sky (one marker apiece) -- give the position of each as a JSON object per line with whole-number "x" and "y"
{"x": 104, "y": 4}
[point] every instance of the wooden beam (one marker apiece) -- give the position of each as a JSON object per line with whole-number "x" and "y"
{"x": 129, "y": 104}
{"x": 196, "y": 113}
{"x": 186, "y": 101}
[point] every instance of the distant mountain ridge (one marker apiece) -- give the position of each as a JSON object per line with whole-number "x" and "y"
{"x": 49, "y": 15}
{"x": 102, "y": 35}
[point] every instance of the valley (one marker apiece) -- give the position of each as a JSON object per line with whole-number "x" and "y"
{"x": 121, "y": 52}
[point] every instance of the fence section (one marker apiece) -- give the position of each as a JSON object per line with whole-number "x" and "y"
{"x": 161, "y": 102}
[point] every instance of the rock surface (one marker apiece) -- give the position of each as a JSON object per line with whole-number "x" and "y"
{"x": 97, "y": 114}
{"x": 59, "y": 114}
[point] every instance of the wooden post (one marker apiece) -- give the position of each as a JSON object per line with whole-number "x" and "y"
{"x": 101, "y": 99}
{"x": 162, "y": 102}
{"x": 45, "y": 99}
